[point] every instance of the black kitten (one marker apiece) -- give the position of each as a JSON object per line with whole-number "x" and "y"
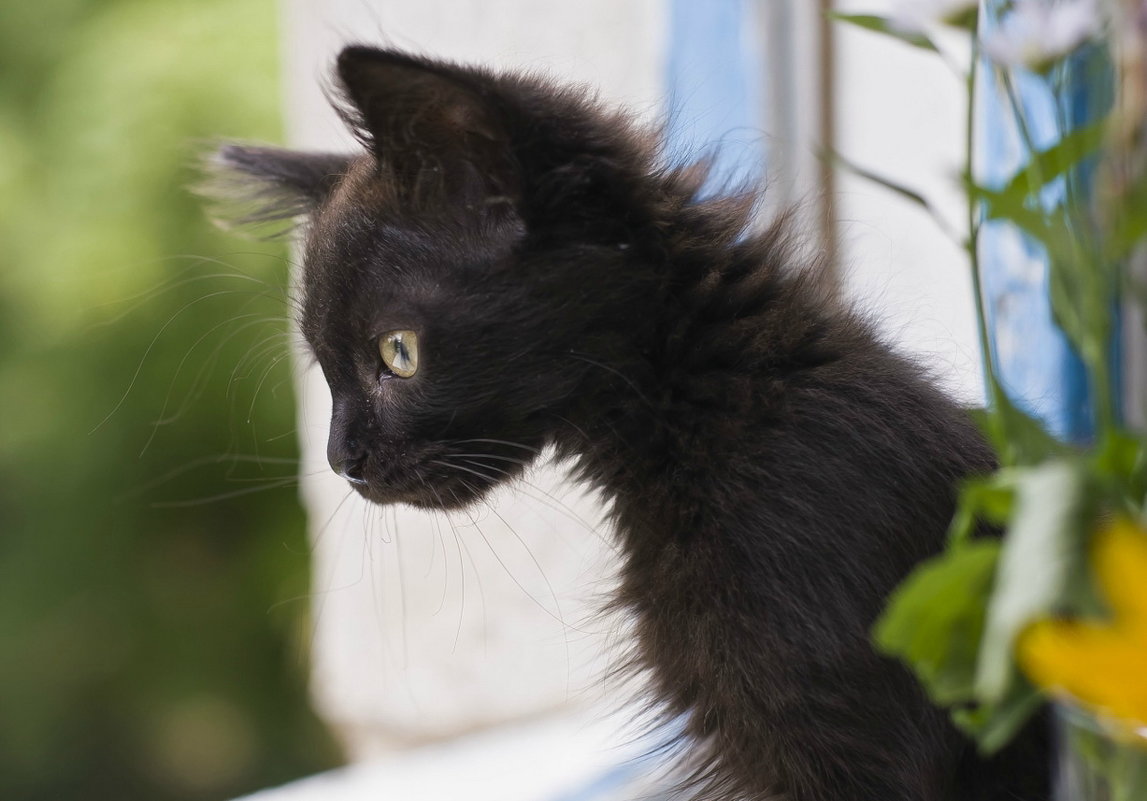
{"x": 506, "y": 267}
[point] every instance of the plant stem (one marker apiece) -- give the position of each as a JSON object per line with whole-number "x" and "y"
{"x": 995, "y": 391}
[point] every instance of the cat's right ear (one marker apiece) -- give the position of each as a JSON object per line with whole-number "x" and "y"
{"x": 429, "y": 120}
{"x": 252, "y": 185}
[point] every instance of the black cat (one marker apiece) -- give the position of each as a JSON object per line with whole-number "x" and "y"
{"x": 508, "y": 266}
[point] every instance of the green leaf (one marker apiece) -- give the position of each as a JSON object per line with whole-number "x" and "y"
{"x": 1011, "y": 205}
{"x": 1120, "y": 463}
{"x": 993, "y": 726}
{"x": 1128, "y": 772}
{"x": 935, "y": 618}
{"x": 982, "y": 500}
{"x": 1057, "y": 160}
{"x": 910, "y": 195}
{"x": 1035, "y": 572}
{"x": 888, "y": 184}
{"x": 1064, "y": 295}
{"x": 1129, "y": 225}
{"x": 1082, "y": 278}
{"x": 1028, "y": 441}
{"x": 877, "y": 24}
{"x": 1017, "y": 438}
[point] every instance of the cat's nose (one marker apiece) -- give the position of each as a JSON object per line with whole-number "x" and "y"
{"x": 350, "y": 470}
{"x": 346, "y": 459}
{"x": 346, "y": 450}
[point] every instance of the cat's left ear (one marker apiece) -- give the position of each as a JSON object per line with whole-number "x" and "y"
{"x": 429, "y": 121}
{"x": 254, "y": 184}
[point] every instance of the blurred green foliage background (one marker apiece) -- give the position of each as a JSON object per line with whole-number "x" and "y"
{"x": 152, "y": 621}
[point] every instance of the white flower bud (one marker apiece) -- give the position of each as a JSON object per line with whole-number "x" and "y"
{"x": 1036, "y": 34}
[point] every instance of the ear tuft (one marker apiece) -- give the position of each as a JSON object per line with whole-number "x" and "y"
{"x": 254, "y": 185}
{"x": 402, "y": 100}
{"x": 423, "y": 117}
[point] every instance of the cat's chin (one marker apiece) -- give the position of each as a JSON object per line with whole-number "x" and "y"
{"x": 447, "y": 496}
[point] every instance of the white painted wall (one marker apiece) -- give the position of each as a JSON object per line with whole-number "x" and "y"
{"x": 900, "y": 114}
{"x": 428, "y": 626}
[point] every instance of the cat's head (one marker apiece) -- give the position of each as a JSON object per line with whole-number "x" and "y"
{"x": 471, "y": 282}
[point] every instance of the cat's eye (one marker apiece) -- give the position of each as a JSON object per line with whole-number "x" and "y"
{"x": 399, "y": 351}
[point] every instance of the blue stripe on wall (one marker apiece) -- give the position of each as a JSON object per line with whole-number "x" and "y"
{"x": 715, "y": 88}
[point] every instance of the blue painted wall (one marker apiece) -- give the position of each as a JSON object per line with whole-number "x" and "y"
{"x": 716, "y": 89}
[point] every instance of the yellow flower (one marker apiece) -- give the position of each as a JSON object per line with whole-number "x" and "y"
{"x": 1102, "y": 665}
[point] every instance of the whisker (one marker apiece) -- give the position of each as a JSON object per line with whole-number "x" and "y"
{"x": 574, "y": 426}
{"x": 284, "y": 435}
{"x": 264, "y": 346}
{"x": 505, "y": 568}
{"x": 560, "y": 617}
{"x": 615, "y": 371}
{"x": 199, "y": 383}
{"x": 262, "y": 379}
{"x": 552, "y": 502}
{"x": 481, "y": 595}
{"x": 403, "y": 612}
{"x": 317, "y": 538}
{"x": 478, "y": 464}
{"x": 146, "y": 296}
{"x": 445, "y": 563}
{"x": 461, "y": 569}
{"x": 521, "y": 484}
{"x": 454, "y": 466}
{"x": 477, "y": 577}
{"x": 274, "y": 484}
{"x": 296, "y": 476}
{"x": 176, "y": 281}
{"x": 186, "y": 404}
{"x": 200, "y": 462}
{"x": 522, "y": 462}
{"x": 321, "y": 595}
{"x": 507, "y": 443}
{"x": 146, "y": 353}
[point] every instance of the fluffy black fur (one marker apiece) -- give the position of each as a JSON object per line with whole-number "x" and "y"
{"x": 773, "y": 468}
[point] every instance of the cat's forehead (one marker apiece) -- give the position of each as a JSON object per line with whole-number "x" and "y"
{"x": 362, "y": 193}
{"x": 362, "y": 232}
{"x": 437, "y": 222}
{"x": 367, "y": 248}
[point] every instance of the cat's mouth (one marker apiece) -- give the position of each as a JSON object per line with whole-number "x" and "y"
{"x": 438, "y": 482}
{"x": 443, "y": 495}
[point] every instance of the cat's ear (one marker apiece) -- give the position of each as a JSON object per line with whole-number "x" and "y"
{"x": 250, "y": 185}
{"x": 423, "y": 118}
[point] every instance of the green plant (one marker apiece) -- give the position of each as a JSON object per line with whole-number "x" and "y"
{"x": 1080, "y": 202}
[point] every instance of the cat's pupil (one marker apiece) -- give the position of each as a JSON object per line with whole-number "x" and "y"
{"x": 399, "y": 351}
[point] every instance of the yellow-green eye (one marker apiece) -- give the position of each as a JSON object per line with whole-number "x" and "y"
{"x": 399, "y": 351}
